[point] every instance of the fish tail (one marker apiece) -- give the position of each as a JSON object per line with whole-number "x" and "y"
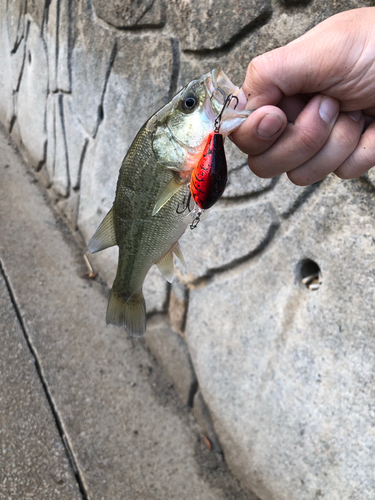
{"x": 130, "y": 313}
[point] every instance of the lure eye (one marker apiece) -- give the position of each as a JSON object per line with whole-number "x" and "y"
{"x": 189, "y": 103}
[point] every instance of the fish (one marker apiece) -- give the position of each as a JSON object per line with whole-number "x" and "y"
{"x": 147, "y": 218}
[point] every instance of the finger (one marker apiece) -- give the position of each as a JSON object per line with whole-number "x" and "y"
{"x": 260, "y": 130}
{"x": 293, "y": 106}
{"x": 300, "y": 141}
{"x": 341, "y": 143}
{"x": 362, "y": 158}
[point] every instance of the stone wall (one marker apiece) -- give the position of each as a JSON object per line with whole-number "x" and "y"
{"x": 280, "y": 372}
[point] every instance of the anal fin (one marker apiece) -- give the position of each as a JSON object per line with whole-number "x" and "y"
{"x": 178, "y": 253}
{"x": 105, "y": 236}
{"x": 165, "y": 266}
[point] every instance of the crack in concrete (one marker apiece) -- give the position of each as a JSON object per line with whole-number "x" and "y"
{"x": 38, "y": 367}
{"x": 263, "y": 18}
{"x": 100, "y": 116}
{"x": 300, "y": 200}
{"x": 175, "y": 45}
{"x": 22, "y": 14}
{"x": 234, "y": 264}
{"x": 61, "y": 115}
{"x": 80, "y": 166}
{"x": 232, "y": 201}
{"x": 57, "y": 43}
{"x": 25, "y": 36}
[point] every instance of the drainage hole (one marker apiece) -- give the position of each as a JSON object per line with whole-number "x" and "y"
{"x": 310, "y": 274}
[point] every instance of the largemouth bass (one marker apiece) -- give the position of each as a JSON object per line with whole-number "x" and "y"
{"x": 145, "y": 220}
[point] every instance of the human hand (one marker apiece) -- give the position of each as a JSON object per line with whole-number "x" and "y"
{"x": 323, "y": 84}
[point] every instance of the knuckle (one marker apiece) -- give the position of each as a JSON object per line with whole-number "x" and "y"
{"x": 347, "y": 136}
{"x": 256, "y": 165}
{"x": 257, "y": 70}
{"x": 311, "y": 139}
{"x": 347, "y": 170}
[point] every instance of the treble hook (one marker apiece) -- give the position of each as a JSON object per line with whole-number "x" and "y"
{"x": 187, "y": 205}
{"x": 227, "y": 101}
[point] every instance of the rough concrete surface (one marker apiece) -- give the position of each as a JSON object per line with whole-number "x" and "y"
{"x": 33, "y": 461}
{"x": 290, "y": 381}
{"x": 129, "y": 434}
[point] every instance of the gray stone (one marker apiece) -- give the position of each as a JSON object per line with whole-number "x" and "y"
{"x": 64, "y": 41}
{"x": 35, "y": 9}
{"x": 32, "y": 98}
{"x": 51, "y": 38}
{"x": 203, "y": 417}
{"x": 16, "y": 134}
{"x": 51, "y": 133}
{"x": 178, "y": 304}
{"x": 15, "y": 14}
{"x": 6, "y": 99}
{"x": 61, "y": 181}
{"x": 33, "y": 462}
{"x": 210, "y": 25}
{"x": 68, "y": 207}
{"x": 229, "y": 234}
{"x": 281, "y": 29}
{"x": 241, "y": 181}
{"x": 129, "y": 434}
{"x": 171, "y": 352}
{"x": 91, "y": 60}
{"x": 130, "y": 14}
{"x": 288, "y": 373}
{"x": 76, "y": 140}
{"x": 370, "y": 176}
{"x": 155, "y": 290}
{"x": 286, "y": 196}
{"x": 17, "y": 60}
{"x": 43, "y": 177}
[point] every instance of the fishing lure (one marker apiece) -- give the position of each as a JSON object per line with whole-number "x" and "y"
{"x": 210, "y": 175}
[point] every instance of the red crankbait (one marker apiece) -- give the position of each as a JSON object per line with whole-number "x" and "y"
{"x": 210, "y": 175}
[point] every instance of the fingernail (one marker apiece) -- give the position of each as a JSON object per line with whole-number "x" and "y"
{"x": 269, "y": 125}
{"x": 355, "y": 115}
{"x": 329, "y": 109}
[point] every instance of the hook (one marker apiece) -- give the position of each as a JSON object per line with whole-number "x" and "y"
{"x": 187, "y": 205}
{"x": 227, "y": 101}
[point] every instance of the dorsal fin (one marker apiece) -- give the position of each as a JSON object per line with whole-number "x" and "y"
{"x": 105, "y": 235}
{"x": 169, "y": 190}
{"x": 165, "y": 266}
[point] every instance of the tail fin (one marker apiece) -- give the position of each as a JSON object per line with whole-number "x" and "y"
{"x": 130, "y": 313}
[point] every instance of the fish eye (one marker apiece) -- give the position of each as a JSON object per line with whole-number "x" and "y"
{"x": 189, "y": 103}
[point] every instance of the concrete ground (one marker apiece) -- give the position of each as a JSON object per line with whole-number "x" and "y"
{"x": 85, "y": 412}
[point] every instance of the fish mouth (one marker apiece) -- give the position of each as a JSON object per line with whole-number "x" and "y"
{"x": 219, "y": 87}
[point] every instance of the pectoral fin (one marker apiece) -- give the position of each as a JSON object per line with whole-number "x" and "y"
{"x": 178, "y": 253}
{"x": 169, "y": 190}
{"x": 105, "y": 235}
{"x": 165, "y": 266}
